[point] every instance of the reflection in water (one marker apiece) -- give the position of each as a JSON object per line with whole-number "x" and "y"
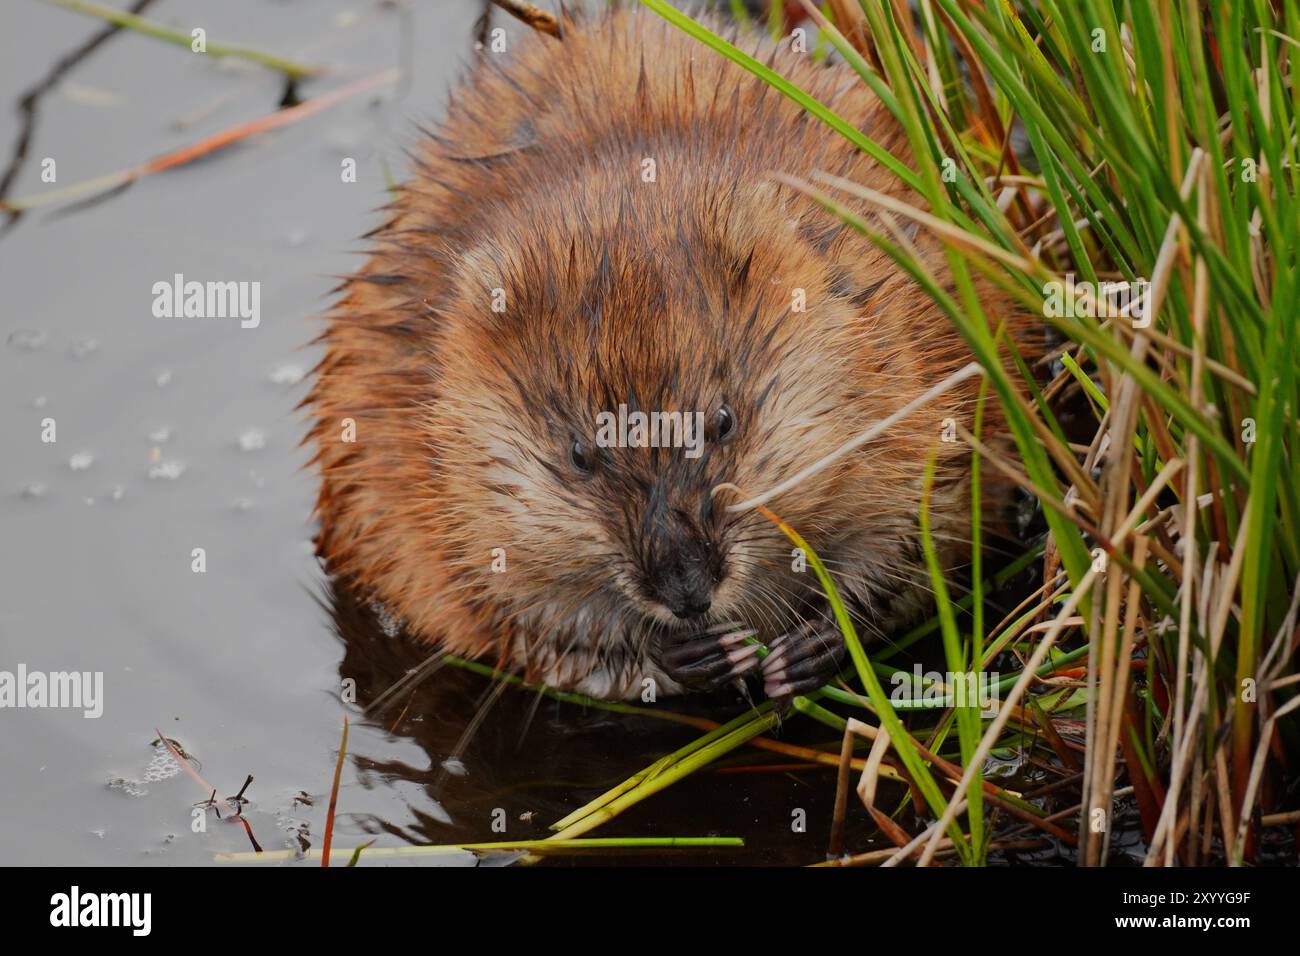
{"x": 497, "y": 749}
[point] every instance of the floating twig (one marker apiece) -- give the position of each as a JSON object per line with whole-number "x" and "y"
{"x": 204, "y": 147}
{"x": 534, "y": 16}
{"x": 552, "y": 846}
{"x": 129, "y": 21}
{"x": 334, "y": 796}
{"x": 234, "y": 805}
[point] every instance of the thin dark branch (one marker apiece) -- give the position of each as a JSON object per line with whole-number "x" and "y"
{"x": 534, "y": 16}
{"x": 27, "y": 105}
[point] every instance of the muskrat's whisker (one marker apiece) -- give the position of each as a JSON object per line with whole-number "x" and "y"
{"x": 771, "y": 596}
{"x": 431, "y": 665}
{"x": 528, "y": 719}
{"x": 486, "y": 700}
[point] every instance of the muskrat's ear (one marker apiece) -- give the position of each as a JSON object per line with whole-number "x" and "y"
{"x": 817, "y": 227}
{"x": 748, "y": 222}
{"x": 769, "y": 199}
{"x": 821, "y": 231}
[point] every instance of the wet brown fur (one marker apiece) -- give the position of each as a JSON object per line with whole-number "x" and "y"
{"x": 675, "y": 294}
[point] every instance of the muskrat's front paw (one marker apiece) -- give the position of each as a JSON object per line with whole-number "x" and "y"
{"x": 802, "y": 660}
{"x": 708, "y": 659}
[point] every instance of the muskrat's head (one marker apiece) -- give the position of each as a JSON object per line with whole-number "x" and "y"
{"x": 597, "y": 383}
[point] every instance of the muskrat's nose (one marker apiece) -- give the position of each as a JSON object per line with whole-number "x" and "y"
{"x": 688, "y": 605}
{"x": 685, "y": 588}
{"x": 681, "y": 566}
{"x": 691, "y": 606}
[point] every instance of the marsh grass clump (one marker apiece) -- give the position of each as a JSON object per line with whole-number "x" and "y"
{"x": 1129, "y": 172}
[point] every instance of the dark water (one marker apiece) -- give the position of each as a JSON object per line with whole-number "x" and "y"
{"x": 177, "y": 434}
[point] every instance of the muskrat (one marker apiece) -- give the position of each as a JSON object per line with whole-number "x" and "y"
{"x": 595, "y": 224}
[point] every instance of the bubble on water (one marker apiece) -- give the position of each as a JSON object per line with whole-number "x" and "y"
{"x": 162, "y": 767}
{"x": 81, "y": 460}
{"x": 33, "y": 489}
{"x": 132, "y": 788}
{"x": 118, "y": 492}
{"x": 287, "y": 373}
{"x": 83, "y": 347}
{"x": 169, "y": 469}
{"x": 163, "y": 378}
{"x": 254, "y": 439}
{"x": 160, "y": 435}
{"x": 287, "y": 822}
{"x": 28, "y": 340}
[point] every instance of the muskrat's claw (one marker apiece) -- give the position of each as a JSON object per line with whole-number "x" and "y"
{"x": 709, "y": 659}
{"x": 802, "y": 661}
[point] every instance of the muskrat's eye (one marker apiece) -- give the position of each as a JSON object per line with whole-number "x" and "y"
{"x": 580, "y": 458}
{"x": 724, "y": 423}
